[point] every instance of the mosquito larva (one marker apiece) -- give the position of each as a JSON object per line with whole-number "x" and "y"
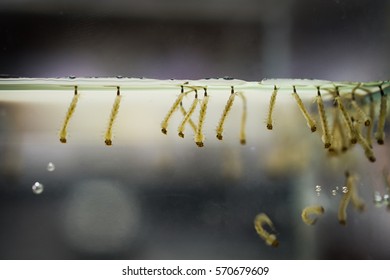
{"x": 380, "y": 132}
{"x": 326, "y": 138}
{"x": 188, "y": 115}
{"x": 225, "y": 112}
{"x": 271, "y": 108}
{"x": 312, "y": 210}
{"x": 199, "y": 137}
{"x": 346, "y": 117}
{"x": 357, "y": 202}
{"x": 243, "y": 119}
{"x": 71, "y": 109}
{"x": 310, "y": 121}
{"x": 190, "y": 121}
{"x": 362, "y": 115}
{"x": 269, "y": 238}
{"x": 342, "y": 213}
{"x": 114, "y": 113}
{"x": 370, "y": 128}
{"x": 164, "y": 124}
{"x": 363, "y": 142}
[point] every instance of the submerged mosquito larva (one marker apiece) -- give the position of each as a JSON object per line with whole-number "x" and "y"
{"x": 243, "y": 119}
{"x": 114, "y": 113}
{"x": 188, "y": 115}
{"x": 310, "y": 121}
{"x": 349, "y": 186}
{"x": 71, "y": 109}
{"x": 225, "y": 112}
{"x": 380, "y": 133}
{"x": 309, "y": 211}
{"x": 269, "y": 238}
{"x": 199, "y": 137}
{"x": 326, "y": 138}
{"x": 271, "y": 108}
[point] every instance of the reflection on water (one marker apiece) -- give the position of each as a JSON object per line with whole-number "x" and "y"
{"x": 181, "y": 169}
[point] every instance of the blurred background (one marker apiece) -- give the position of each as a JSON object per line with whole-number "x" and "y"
{"x": 151, "y": 199}
{"x": 245, "y": 39}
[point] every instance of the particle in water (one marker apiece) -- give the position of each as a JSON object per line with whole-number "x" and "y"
{"x": 37, "y": 188}
{"x": 50, "y": 167}
{"x": 334, "y": 192}
{"x": 378, "y": 199}
{"x": 344, "y": 189}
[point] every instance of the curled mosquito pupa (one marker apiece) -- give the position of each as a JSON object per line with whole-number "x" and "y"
{"x": 308, "y": 212}
{"x": 269, "y": 238}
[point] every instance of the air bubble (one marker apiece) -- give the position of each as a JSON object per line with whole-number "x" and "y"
{"x": 334, "y": 192}
{"x": 386, "y": 199}
{"x": 378, "y": 199}
{"x": 37, "y": 188}
{"x": 318, "y": 188}
{"x": 51, "y": 167}
{"x": 344, "y": 189}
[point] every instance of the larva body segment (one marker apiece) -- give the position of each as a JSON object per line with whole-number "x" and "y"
{"x": 114, "y": 113}
{"x": 271, "y": 108}
{"x": 342, "y": 212}
{"x": 190, "y": 121}
{"x": 347, "y": 119}
{"x": 69, "y": 114}
{"x": 164, "y": 124}
{"x": 308, "y": 212}
{"x": 269, "y": 238}
{"x": 310, "y": 121}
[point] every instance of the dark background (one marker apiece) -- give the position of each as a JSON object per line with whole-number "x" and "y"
{"x": 246, "y": 39}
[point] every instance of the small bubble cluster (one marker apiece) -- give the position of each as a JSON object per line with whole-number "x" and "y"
{"x": 380, "y": 200}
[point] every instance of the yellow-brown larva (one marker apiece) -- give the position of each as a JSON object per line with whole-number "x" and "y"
{"x": 380, "y": 133}
{"x": 225, "y": 112}
{"x": 243, "y": 119}
{"x": 188, "y": 115}
{"x": 269, "y": 238}
{"x": 308, "y": 212}
{"x": 346, "y": 117}
{"x": 69, "y": 114}
{"x": 326, "y": 137}
{"x": 310, "y": 121}
{"x": 342, "y": 212}
{"x": 199, "y": 137}
{"x": 190, "y": 121}
{"x": 271, "y": 108}
{"x": 114, "y": 113}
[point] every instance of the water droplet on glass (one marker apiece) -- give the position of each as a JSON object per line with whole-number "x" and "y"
{"x": 50, "y": 167}
{"x": 334, "y": 192}
{"x": 377, "y": 199}
{"x": 37, "y": 188}
{"x": 344, "y": 189}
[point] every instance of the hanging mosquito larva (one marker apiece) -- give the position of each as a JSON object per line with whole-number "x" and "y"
{"x": 370, "y": 128}
{"x": 164, "y": 124}
{"x": 188, "y": 115}
{"x": 243, "y": 119}
{"x": 269, "y": 238}
{"x": 190, "y": 121}
{"x": 199, "y": 137}
{"x": 342, "y": 213}
{"x": 114, "y": 113}
{"x": 310, "y": 121}
{"x": 361, "y": 114}
{"x": 271, "y": 108}
{"x": 225, "y": 112}
{"x": 363, "y": 142}
{"x": 326, "y": 138}
{"x": 380, "y": 132}
{"x": 356, "y": 200}
{"x": 346, "y": 117}
{"x": 71, "y": 109}
{"x": 309, "y": 211}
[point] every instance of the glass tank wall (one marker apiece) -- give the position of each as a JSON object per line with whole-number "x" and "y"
{"x": 95, "y": 168}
